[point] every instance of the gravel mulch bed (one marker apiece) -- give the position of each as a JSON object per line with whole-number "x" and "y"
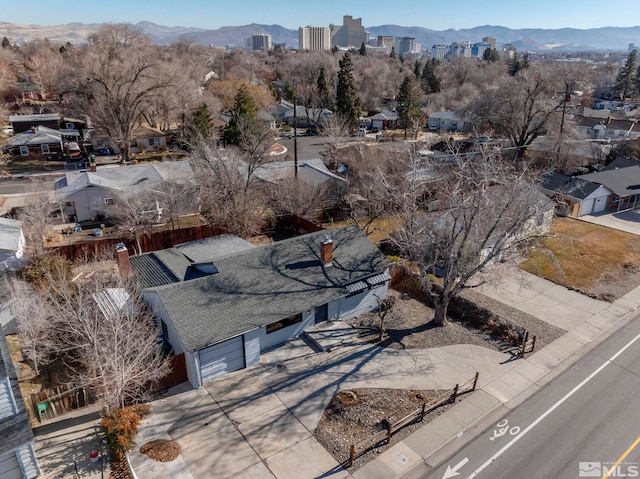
{"x": 356, "y": 415}
{"x": 408, "y": 324}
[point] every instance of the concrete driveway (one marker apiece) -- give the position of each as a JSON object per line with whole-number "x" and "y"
{"x": 258, "y": 422}
{"x": 628, "y": 221}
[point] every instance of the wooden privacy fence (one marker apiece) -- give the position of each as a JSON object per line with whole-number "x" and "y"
{"x": 53, "y": 402}
{"x": 384, "y": 437}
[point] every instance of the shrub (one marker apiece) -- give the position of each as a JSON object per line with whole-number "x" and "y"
{"x": 121, "y": 426}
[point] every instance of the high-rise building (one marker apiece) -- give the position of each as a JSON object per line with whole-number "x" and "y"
{"x": 385, "y": 41}
{"x": 350, "y": 34}
{"x": 314, "y": 38}
{"x": 406, "y": 46}
{"x": 260, "y": 42}
{"x": 490, "y": 40}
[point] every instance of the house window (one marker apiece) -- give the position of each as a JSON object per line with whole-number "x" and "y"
{"x": 154, "y": 141}
{"x": 45, "y": 149}
{"x": 109, "y": 201}
{"x": 24, "y": 151}
{"x": 284, "y": 323}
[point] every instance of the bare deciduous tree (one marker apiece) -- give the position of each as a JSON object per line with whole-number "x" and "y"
{"x": 135, "y": 212}
{"x": 487, "y": 209}
{"x": 519, "y": 107}
{"x": 228, "y": 196}
{"x": 36, "y": 328}
{"x": 118, "y": 77}
{"x": 105, "y": 334}
{"x": 37, "y": 221}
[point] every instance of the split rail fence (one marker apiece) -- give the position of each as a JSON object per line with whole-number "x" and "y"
{"x": 384, "y": 437}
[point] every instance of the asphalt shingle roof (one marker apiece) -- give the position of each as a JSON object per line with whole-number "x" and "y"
{"x": 123, "y": 177}
{"x": 262, "y": 285}
{"x": 622, "y": 181}
{"x": 210, "y": 249}
{"x": 576, "y": 187}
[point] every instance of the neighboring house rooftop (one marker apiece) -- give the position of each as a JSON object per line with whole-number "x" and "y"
{"x": 575, "y": 187}
{"x": 34, "y": 118}
{"x": 15, "y": 430}
{"x": 40, "y": 136}
{"x": 10, "y": 234}
{"x": 265, "y": 284}
{"x": 312, "y": 172}
{"x": 123, "y": 177}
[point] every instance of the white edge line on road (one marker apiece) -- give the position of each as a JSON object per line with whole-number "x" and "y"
{"x": 551, "y": 409}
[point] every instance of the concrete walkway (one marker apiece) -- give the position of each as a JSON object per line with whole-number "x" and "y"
{"x": 258, "y": 423}
{"x": 63, "y": 446}
{"x": 628, "y": 220}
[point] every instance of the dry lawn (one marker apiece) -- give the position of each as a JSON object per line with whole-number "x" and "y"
{"x": 596, "y": 260}
{"x": 380, "y": 229}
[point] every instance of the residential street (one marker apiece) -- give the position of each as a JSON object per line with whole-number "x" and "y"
{"x": 586, "y": 415}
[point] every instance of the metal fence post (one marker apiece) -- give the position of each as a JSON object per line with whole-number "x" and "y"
{"x": 389, "y": 431}
{"x": 475, "y": 381}
{"x": 455, "y": 393}
{"x": 424, "y": 405}
{"x": 352, "y": 454}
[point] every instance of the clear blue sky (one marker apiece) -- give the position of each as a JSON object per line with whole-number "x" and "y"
{"x": 436, "y": 15}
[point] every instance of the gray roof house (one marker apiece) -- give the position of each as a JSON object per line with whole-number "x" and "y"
{"x": 83, "y": 195}
{"x": 17, "y": 454}
{"x": 11, "y": 242}
{"x": 577, "y": 196}
{"x": 312, "y": 172}
{"x": 223, "y": 303}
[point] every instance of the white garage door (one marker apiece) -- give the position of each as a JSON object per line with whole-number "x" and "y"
{"x": 600, "y": 204}
{"x": 586, "y": 208}
{"x": 9, "y": 466}
{"x": 362, "y": 302}
{"x": 221, "y": 358}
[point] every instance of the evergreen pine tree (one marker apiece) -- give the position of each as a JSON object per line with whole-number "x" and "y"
{"x": 348, "y": 104}
{"x": 417, "y": 69}
{"x": 626, "y": 79}
{"x": 393, "y": 53}
{"x": 409, "y": 101}
{"x": 514, "y": 64}
{"x": 429, "y": 81}
{"x": 244, "y": 112}
{"x": 323, "y": 88}
{"x": 491, "y": 55}
{"x": 363, "y": 50}
{"x": 6, "y": 43}
{"x": 201, "y": 123}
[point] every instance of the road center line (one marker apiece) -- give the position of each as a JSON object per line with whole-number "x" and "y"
{"x": 621, "y": 458}
{"x": 551, "y": 409}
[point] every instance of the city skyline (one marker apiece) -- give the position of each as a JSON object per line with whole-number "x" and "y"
{"x": 212, "y": 15}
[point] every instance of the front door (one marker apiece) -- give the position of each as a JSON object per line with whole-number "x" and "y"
{"x": 321, "y": 314}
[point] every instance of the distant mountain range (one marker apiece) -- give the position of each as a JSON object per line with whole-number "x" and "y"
{"x": 530, "y": 39}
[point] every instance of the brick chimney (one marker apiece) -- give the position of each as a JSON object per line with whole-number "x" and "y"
{"x": 122, "y": 257}
{"x": 326, "y": 250}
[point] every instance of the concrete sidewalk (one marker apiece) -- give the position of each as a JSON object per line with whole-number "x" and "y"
{"x": 258, "y": 423}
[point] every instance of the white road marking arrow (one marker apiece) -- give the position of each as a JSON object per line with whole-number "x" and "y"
{"x": 453, "y": 471}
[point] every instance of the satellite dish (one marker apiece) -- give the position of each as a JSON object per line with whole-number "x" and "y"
{"x": 69, "y": 126}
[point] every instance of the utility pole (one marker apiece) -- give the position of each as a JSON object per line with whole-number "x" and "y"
{"x": 295, "y": 137}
